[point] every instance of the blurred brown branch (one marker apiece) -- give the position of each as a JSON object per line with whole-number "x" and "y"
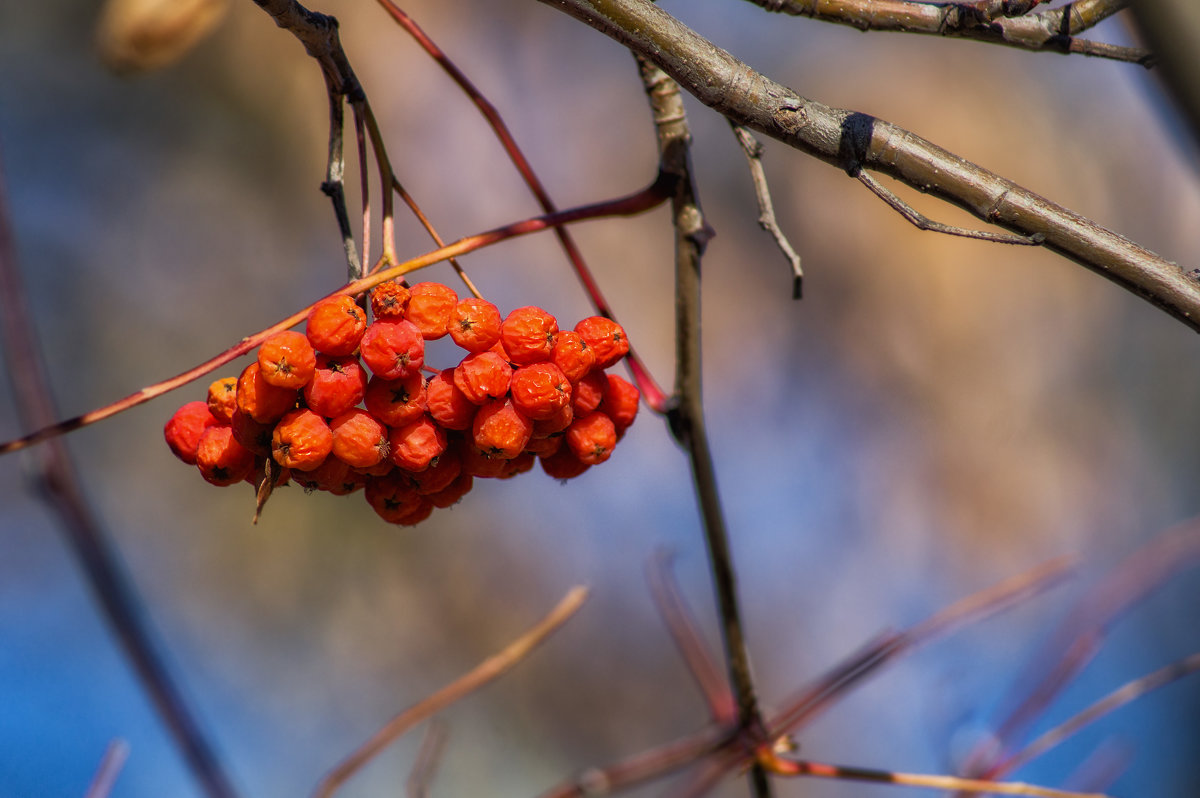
{"x": 856, "y": 141}
{"x": 490, "y": 669}
{"x": 1054, "y": 30}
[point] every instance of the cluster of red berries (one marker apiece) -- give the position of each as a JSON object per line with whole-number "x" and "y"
{"x": 525, "y": 391}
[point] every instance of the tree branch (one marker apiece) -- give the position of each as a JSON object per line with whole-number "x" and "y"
{"x": 1054, "y": 30}
{"x": 852, "y": 140}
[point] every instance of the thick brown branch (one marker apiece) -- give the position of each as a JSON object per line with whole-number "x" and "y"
{"x": 853, "y": 141}
{"x": 1055, "y": 30}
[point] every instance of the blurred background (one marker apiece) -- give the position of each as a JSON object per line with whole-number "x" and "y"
{"x": 936, "y": 414}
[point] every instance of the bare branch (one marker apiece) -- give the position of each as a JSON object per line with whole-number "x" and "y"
{"x": 110, "y": 767}
{"x": 490, "y": 669}
{"x": 1118, "y": 698}
{"x": 766, "y": 209}
{"x": 1054, "y": 30}
{"x": 687, "y": 639}
{"x": 428, "y": 759}
{"x": 59, "y": 485}
{"x": 686, "y": 419}
{"x": 629, "y": 205}
{"x": 854, "y": 141}
{"x": 922, "y": 222}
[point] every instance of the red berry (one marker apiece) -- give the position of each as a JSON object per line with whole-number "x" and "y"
{"x": 416, "y": 444}
{"x": 482, "y": 376}
{"x": 221, "y": 459}
{"x": 620, "y": 402}
{"x": 477, "y": 464}
{"x": 453, "y": 493}
{"x": 475, "y": 324}
{"x": 337, "y": 385}
{"x": 540, "y": 391}
{"x": 500, "y": 430}
{"x": 393, "y": 349}
{"x": 573, "y": 355}
{"x": 392, "y": 497}
{"x": 252, "y": 435}
{"x": 441, "y": 472}
{"x": 222, "y": 399}
{"x": 389, "y": 300}
{"x": 449, "y": 406}
{"x": 606, "y": 337}
{"x": 184, "y": 428}
{"x": 259, "y": 399}
{"x": 563, "y": 464}
{"x": 397, "y": 402}
{"x": 301, "y": 441}
{"x": 429, "y": 308}
{"x": 287, "y": 359}
{"x": 336, "y": 325}
{"x": 528, "y": 335}
{"x": 592, "y": 438}
{"x": 588, "y": 392}
{"x": 359, "y": 439}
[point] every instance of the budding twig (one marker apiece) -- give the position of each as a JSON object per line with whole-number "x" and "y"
{"x": 766, "y": 209}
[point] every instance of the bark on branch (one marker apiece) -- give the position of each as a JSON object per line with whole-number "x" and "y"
{"x": 855, "y": 141}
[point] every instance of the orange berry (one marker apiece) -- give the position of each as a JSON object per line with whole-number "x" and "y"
{"x": 500, "y": 430}
{"x": 337, "y": 385}
{"x": 592, "y": 438}
{"x": 222, "y": 399}
{"x": 221, "y": 459}
{"x": 453, "y": 493}
{"x": 184, "y": 428}
{"x": 620, "y": 402}
{"x": 606, "y": 337}
{"x": 422, "y": 511}
{"x": 563, "y": 464}
{"x": 557, "y": 423}
{"x": 588, "y": 392}
{"x": 301, "y": 441}
{"x": 545, "y": 446}
{"x": 359, "y": 439}
{"x": 527, "y": 335}
{"x": 261, "y": 400}
{"x": 416, "y": 444}
{"x": 441, "y": 472}
{"x": 475, "y": 324}
{"x": 392, "y": 496}
{"x": 389, "y": 300}
{"x": 333, "y": 475}
{"x": 396, "y": 402}
{"x": 335, "y": 326}
{"x": 287, "y": 359}
{"x": 520, "y": 464}
{"x": 482, "y": 376}
{"x": 540, "y": 390}
{"x": 252, "y": 435}
{"x": 573, "y": 355}
{"x": 477, "y": 464}
{"x": 429, "y": 307}
{"x": 393, "y": 349}
{"x": 449, "y": 406}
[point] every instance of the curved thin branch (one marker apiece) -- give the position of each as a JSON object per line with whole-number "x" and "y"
{"x": 487, "y": 671}
{"x": 852, "y": 140}
{"x": 1054, "y": 30}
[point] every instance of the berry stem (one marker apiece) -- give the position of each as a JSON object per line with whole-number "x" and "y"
{"x": 654, "y": 396}
{"x": 629, "y": 205}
